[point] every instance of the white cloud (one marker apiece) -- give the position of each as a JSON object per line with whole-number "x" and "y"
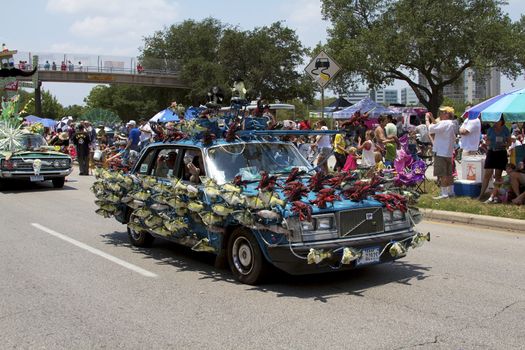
{"x": 115, "y": 25}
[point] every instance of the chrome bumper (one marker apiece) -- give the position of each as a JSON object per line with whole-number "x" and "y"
{"x": 26, "y": 174}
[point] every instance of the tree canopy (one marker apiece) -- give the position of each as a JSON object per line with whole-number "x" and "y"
{"x": 129, "y": 102}
{"x": 99, "y": 116}
{"x": 51, "y": 108}
{"x": 211, "y": 53}
{"x": 378, "y": 41}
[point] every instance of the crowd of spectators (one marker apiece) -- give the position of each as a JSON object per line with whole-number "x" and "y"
{"x": 361, "y": 144}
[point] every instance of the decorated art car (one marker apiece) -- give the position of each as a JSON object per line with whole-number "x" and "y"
{"x": 35, "y": 161}
{"x": 255, "y": 201}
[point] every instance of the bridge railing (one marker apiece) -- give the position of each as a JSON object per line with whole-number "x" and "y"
{"x": 97, "y": 64}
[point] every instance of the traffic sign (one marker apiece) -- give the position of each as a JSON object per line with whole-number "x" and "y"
{"x": 322, "y": 68}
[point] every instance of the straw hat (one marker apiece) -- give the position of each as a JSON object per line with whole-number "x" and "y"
{"x": 63, "y": 136}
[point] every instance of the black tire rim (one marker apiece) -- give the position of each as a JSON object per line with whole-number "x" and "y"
{"x": 136, "y": 236}
{"x": 242, "y": 255}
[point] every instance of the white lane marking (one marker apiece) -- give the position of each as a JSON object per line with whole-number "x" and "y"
{"x": 95, "y": 251}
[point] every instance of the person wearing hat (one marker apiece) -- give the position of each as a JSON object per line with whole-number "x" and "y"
{"x": 61, "y": 139}
{"x": 81, "y": 140}
{"x": 443, "y": 148}
{"x": 323, "y": 147}
{"x": 133, "y": 137}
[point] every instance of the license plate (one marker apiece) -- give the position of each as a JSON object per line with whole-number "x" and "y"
{"x": 369, "y": 256}
{"x": 35, "y": 178}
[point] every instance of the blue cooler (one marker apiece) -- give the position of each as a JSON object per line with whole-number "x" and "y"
{"x": 467, "y": 188}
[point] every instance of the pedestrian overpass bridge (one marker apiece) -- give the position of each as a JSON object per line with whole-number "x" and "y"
{"x": 92, "y": 69}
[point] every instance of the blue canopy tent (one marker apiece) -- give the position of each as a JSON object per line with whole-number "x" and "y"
{"x": 46, "y": 122}
{"x": 365, "y": 105}
{"x": 32, "y": 119}
{"x": 164, "y": 116}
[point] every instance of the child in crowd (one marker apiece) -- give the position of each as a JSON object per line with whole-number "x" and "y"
{"x": 368, "y": 149}
{"x": 501, "y": 188}
{"x": 351, "y": 160}
{"x": 380, "y": 166}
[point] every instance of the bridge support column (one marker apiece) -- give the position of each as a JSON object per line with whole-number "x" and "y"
{"x": 38, "y": 100}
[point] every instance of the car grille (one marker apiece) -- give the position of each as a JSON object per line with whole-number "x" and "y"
{"x": 360, "y": 221}
{"x": 47, "y": 164}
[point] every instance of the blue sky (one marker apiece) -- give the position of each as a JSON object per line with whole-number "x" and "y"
{"x": 117, "y": 27}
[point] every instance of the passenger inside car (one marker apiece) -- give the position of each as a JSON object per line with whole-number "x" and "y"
{"x": 193, "y": 166}
{"x": 165, "y": 164}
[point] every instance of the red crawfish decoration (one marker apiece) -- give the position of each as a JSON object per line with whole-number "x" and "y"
{"x": 326, "y": 195}
{"x": 174, "y": 135}
{"x": 267, "y": 182}
{"x": 392, "y": 201}
{"x": 230, "y": 134}
{"x": 295, "y": 190}
{"x": 340, "y": 179}
{"x": 316, "y": 181}
{"x": 362, "y": 189}
{"x": 238, "y": 181}
{"x": 303, "y": 210}
{"x": 294, "y": 175}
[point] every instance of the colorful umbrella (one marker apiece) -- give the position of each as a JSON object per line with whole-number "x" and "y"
{"x": 510, "y": 105}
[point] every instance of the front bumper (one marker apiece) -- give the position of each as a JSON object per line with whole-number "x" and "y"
{"x": 285, "y": 257}
{"x": 25, "y": 175}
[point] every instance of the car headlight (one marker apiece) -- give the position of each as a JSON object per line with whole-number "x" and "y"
{"x": 398, "y": 215}
{"x": 395, "y": 220}
{"x": 324, "y": 223}
{"x": 64, "y": 163}
{"x": 14, "y": 164}
{"x": 307, "y": 225}
{"x": 56, "y": 164}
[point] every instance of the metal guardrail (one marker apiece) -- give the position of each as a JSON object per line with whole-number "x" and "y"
{"x": 112, "y": 70}
{"x": 97, "y": 63}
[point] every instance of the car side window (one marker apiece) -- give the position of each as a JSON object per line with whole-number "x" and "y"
{"x": 165, "y": 164}
{"x": 145, "y": 165}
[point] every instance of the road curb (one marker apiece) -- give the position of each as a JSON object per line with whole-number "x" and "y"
{"x": 475, "y": 220}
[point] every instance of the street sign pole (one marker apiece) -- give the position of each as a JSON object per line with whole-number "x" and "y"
{"x": 322, "y": 102}
{"x": 322, "y": 69}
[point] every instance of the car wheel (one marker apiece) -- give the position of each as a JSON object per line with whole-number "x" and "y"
{"x": 139, "y": 238}
{"x": 245, "y": 257}
{"x": 58, "y": 182}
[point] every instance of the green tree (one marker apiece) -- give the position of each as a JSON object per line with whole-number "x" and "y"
{"x": 130, "y": 102}
{"x": 378, "y": 41}
{"x": 51, "y": 108}
{"x": 211, "y": 53}
{"x": 74, "y": 110}
{"x": 100, "y": 116}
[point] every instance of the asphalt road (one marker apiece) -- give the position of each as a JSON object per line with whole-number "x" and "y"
{"x": 70, "y": 280}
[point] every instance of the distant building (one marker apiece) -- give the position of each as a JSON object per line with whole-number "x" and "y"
{"x": 355, "y": 96}
{"x": 408, "y": 97}
{"x": 385, "y": 96}
{"x": 472, "y": 86}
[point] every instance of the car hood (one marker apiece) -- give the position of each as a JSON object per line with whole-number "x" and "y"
{"x": 33, "y": 154}
{"x": 339, "y": 205}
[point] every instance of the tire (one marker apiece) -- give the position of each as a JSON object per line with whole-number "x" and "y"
{"x": 58, "y": 182}
{"x": 139, "y": 239}
{"x": 245, "y": 258}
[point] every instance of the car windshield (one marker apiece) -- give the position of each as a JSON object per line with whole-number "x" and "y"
{"x": 249, "y": 159}
{"x": 32, "y": 141}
